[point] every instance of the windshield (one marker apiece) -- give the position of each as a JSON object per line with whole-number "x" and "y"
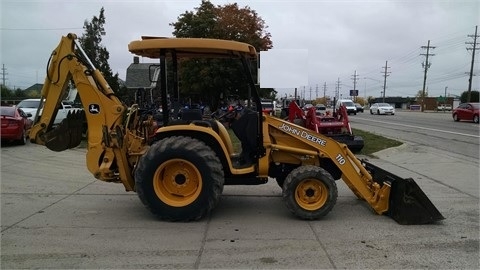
{"x": 29, "y": 104}
{"x": 384, "y": 105}
{"x": 476, "y": 105}
{"x": 348, "y": 104}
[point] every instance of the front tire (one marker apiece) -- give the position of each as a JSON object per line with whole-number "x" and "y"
{"x": 309, "y": 192}
{"x": 179, "y": 179}
{"x": 475, "y": 119}
{"x": 455, "y": 118}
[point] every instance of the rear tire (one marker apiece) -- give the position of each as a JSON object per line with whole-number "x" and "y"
{"x": 475, "y": 119}
{"x": 179, "y": 179}
{"x": 309, "y": 192}
{"x": 23, "y": 139}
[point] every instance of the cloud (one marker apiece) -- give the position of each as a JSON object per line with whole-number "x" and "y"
{"x": 341, "y": 37}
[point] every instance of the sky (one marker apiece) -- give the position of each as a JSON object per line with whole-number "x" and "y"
{"x": 348, "y": 42}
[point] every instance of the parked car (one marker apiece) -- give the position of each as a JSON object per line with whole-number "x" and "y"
{"x": 15, "y": 124}
{"x": 444, "y": 107}
{"x": 466, "y": 111}
{"x": 382, "y": 108}
{"x": 307, "y": 106}
{"x": 30, "y": 106}
{"x": 359, "y": 107}
{"x": 320, "y": 109}
{"x": 349, "y": 105}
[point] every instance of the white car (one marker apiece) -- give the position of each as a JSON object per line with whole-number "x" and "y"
{"x": 30, "y": 106}
{"x": 382, "y": 108}
{"x": 320, "y": 109}
{"x": 349, "y": 105}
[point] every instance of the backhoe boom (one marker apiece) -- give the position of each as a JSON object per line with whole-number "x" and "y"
{"x": 108, "y": 139}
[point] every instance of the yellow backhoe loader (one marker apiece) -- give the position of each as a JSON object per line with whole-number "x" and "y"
{"x": 180, "y": 175}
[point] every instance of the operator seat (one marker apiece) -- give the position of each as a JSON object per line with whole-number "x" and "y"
{"x": 246, "y": 130}
{"x": 192, "y": 114}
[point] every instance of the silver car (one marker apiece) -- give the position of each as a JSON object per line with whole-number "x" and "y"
{"x": 382, "y": 108}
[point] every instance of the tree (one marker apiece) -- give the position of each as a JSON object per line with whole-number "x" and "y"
{"x": 214, "y": 77}
{"x": 91, "y": 43}
{"x": 474, "y": 96}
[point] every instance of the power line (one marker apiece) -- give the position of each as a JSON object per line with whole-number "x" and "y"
{"x": 40, "y": 29}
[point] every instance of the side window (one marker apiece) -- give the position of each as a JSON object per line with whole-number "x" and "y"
{"x": 22, "y": 113}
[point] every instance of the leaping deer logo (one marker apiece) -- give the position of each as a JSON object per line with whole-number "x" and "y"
{"x": 94, "y": 108}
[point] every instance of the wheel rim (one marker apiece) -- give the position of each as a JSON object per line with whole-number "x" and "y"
{"x": 311, "y": 194}
{"x": 177, "y": 182}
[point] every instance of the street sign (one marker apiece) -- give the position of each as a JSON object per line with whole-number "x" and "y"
{"x": 353, "y": 93}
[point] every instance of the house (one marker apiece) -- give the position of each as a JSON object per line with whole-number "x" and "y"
{"x": 139, "y": 78}
{"x": 138, "y": 75}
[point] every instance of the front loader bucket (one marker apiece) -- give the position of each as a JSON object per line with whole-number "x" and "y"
{"x": 408, "y": 204}
{"x": 68, "y": 134}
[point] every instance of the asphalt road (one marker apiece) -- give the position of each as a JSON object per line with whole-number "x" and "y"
{"x": 54, "y": 214}
{"x": 431, "y": 129}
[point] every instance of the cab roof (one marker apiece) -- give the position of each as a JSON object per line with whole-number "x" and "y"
{"x": 191, "y": 47}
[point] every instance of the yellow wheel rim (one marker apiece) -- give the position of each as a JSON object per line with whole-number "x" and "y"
{"x": 177, "y": 182}
{"x": 311, "y": 194}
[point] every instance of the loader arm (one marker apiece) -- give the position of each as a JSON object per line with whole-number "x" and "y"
{"x": 109, "y": 141}
{"x": 385, "y": 192}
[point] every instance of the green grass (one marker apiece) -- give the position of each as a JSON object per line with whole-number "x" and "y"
{"x": 374, "y": 143}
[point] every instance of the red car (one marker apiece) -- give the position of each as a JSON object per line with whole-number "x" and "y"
{"x": 466, "y": 111}
{"x": 15, "y": 124}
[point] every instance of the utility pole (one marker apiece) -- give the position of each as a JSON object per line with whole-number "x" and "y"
{"x": 426, "y": 65}
{"x": 4, "y": 74}
{"x": 316, "y": 91}
{"x": 474, "y": 45}
{"x": 337, "y": 89}
{"x": 324, "y": 91}
{"x": 386, "y": 73}
{"x": 355, "y": 78}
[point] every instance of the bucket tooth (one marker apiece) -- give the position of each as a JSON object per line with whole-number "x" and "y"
{"x": 67, "y": 134}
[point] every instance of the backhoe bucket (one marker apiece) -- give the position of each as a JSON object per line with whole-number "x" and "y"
{"x": 408, "y": 204}
{"x": 68, "y": 134}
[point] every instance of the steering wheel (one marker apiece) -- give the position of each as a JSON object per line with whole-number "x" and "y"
{"x": 229, "y": 115}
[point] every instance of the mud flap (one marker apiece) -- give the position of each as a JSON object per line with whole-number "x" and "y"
{"x": 408, "y": 204}
{"x": 68, "y": 134}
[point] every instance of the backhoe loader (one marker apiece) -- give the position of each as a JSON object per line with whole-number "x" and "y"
{"x": 180, "y": 174}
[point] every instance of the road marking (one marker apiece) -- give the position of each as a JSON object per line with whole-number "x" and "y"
{"x": 431, "y": 129}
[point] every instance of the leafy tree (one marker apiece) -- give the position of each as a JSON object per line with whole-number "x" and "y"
{"x": 474, "y": 96}
{"x": 91, "y": 42}
{"x": 420, "y": 92}
{"x": 216, "y": 77}
{"x": 6, "y": 92}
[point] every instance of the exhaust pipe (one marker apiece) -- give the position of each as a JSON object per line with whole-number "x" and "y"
{"x": 408, "y": 204}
